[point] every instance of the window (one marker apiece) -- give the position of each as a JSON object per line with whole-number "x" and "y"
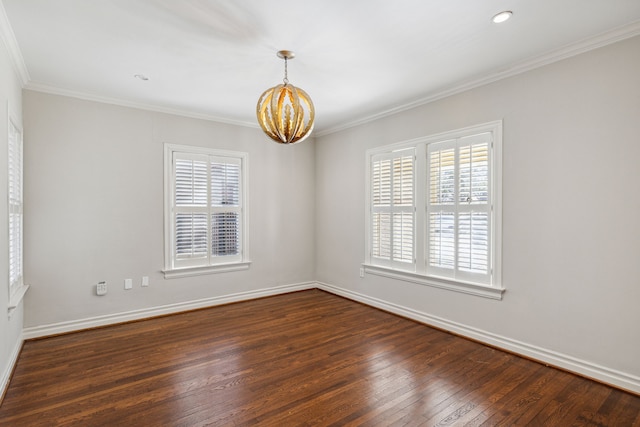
{"x": 15, "y": 212}
{"x": 433, "y": 211}
{"x": 205, "y": 211}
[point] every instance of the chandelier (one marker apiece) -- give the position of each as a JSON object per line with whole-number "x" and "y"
{"x": 285, "y": 112}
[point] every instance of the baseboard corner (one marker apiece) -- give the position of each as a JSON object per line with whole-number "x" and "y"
{"x": 608, "y": 376}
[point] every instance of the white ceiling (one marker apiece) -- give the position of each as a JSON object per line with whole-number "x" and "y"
{"x": 356, "y": 58}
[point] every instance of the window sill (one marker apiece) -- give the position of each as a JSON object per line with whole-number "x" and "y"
{"x": 17, "y": 298}
{"x": 210, "y": 269}
{"x": 436, "y": 282}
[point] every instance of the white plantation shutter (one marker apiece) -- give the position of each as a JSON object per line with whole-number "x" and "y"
{"x": 206, "y": 210}
{"x": 459, "y": 208}
{"x": 190, "y": 207}
{"x": 225, "y": 206}
{"x": 442, "y": 240}
{"x": 191, "y": 180}
{"x": 393, "y": 209}
{"x": 191, "y": 235}
{"x": 475, "y": 205}
{"x": 15, "y": 209}
{"x": 403, "y": 237}
{"x": 225, "y": 181}
{"x": 441, "y": 202}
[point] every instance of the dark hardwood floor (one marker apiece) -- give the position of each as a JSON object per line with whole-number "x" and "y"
{"x": 306, "y": 358}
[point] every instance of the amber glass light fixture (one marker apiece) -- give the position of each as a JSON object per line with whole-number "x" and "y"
{"x": 285, "y": 112}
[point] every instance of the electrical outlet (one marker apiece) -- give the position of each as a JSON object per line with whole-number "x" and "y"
{"x": 101, "y": 288}
{"x": 145, "y": 280}
{"x": 361, "y": 271}
{"x": 128, "y": 283}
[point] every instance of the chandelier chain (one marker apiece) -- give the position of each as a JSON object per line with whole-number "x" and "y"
{"x": 286, "y": 76}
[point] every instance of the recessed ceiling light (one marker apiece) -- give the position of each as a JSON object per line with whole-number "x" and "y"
{"x": 141, "y": 77}
{"x": 502, "y": 16}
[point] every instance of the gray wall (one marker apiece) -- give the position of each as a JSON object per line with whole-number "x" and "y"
{"x": 10, "y": 104}
{"x": 94, "y": 209}
{"x": 571, "y": 237}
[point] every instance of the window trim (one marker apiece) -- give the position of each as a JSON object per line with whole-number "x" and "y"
{"x": 241, "y": 264}
{"x": 16, "y": 291}
{"x": 420, "y": 275}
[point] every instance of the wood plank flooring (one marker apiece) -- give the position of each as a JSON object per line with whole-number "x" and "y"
{"x": 301, "y": 359}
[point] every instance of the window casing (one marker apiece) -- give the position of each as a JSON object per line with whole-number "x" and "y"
{"x": 205, "y": 212}
{"x": 434, "y": 210}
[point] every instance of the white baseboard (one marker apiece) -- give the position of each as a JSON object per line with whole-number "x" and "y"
{"x": 110, "y": 319}
{"x": 581, "y": 367}
{"x": 11, "y": 363}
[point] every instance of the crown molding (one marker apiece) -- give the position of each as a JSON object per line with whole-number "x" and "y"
{"x": 53, "y": 90}
{"x": 567, "y": 51}
{"x": 10, "y": 42}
